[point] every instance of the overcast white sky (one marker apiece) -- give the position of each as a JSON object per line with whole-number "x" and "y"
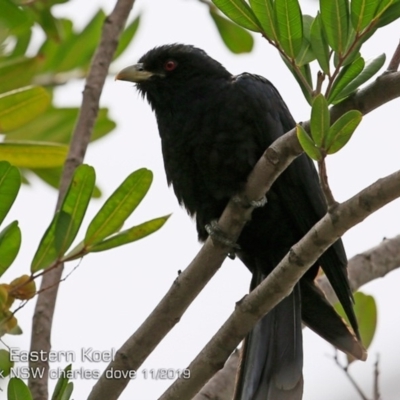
{"x": 108, "y": 296}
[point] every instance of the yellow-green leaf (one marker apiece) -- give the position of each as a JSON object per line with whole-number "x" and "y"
{"x": 320, "y": 119}
{"x": 346, "y": 75}
{"x": 119, "y": 206}
{"x": 342, "y": 130}
{"x": 33, "y": 155}
{"x": 21, "y": 106}
{"x": 130, "y": 235}
{"x": 307, "y": 143}
{"x": 10, "y": 182}
{"x": 10, "y": 243}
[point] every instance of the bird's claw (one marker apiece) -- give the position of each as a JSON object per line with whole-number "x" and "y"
{"x": 218, "y": 235}
{"x": 259, "y": 203}
{"x": 253, "y": 203}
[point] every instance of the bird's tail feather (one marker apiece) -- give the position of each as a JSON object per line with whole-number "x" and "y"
{"x": 331, "y": 327}
{"x": 272, "y": 357}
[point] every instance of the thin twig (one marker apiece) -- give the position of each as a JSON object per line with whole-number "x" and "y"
{"x": 44, "y": 310}
{"x": 395, "y": 61}
{"x": 345, "y": 369}
{"x": 377, "y": 394}
{"x": 323, "y": 177}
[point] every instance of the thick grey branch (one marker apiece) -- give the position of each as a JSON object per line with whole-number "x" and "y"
{"x": 44, "y": 310}
{"x": 362, "y": 268}
{"x": 280, "y": 282}
{"x": 367, "y": 266}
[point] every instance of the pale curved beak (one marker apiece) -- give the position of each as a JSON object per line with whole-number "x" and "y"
{"x": 134, "y": 73}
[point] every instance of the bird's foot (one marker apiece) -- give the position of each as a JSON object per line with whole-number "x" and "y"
{"x": 259, "y": 203}
{"x": 253, "y": 203}
{"x": 219, "y": 236}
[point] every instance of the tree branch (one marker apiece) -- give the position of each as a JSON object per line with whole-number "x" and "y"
{"x": 280, "y": 282}
{"x": 367, "y": 266}
{"x": 44, "y": 310}
{"x": 362, "y": 268}
{"x": 193, "y": 279}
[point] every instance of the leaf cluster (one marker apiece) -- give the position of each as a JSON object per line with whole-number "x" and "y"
{"x": 103, "y": 233}
{"x": 37, "y": 132}
{"x": 333, "y": 39}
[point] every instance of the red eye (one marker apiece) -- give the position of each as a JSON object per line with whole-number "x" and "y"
{"x": 170, "y": 65}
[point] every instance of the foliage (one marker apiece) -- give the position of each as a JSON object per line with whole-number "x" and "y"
{"x": 103, "y": 233}
{"x": 36, "y": 131}
{"x": 18, "y": 390}
{"x": 333, "y": 39}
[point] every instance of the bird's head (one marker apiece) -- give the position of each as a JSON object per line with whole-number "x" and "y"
{"x": 172, "y": 69}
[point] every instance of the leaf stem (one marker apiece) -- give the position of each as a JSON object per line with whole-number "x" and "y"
{"x": 323, "y": 177}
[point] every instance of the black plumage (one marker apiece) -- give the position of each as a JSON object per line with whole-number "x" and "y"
{"x": 214, "y": 127}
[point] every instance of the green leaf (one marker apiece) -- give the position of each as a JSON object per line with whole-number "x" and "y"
{"x": 5, "y": 363}
{"x": 126, "y": 37}
{"x": 119, "y": 206}
{"x": 62, "y": 384}
{"x": 20, "y": 106}
{"x": 320, "y": 119}
{"x": 130, "y": 235}
{"x": 22, "y": 43}
{"x": 52, "y": 176}
{"x": 307, "y": 143}
{"x": 33, "y": 155}
{"x": 306, "y": 54}
{"x": 346, "y": 75}
{"x": 236, "y": 39}
{"x": 319, "y": 44}
{"x": 17, "y": 73}
{"x": 342, "y": 130}
{"x": 68, "y": 391}
{"x": 289, "y": 24}
{"x": 14, "y": 18}
{"x": 362, "y": 13}
{"x": 50, "y": 50}
{"x": 370, "y": 69}
{"x": 17, "y": 390}
{"x": 43, "y": 16}
{"x": 335, "y": 19}
{"x": 46, "y": 253}
{"x": 57, "y": 125}
{"x": 305, "y": 72}
{"x": 240, "y": 12}
{"x": 366, "y": 314}
{"x": 390, "y": 15}
{"x": 10, "y": 182}
{"x": 67, "y": 221}
{"x": 10, "y": 243}
{"x": 74, "y": 205}
{"x": 383, "y": 6}
{"x": 79, "y": 49}
{"x": 264, "y": 11}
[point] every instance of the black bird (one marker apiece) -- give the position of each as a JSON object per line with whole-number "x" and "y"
{"x": 214, "y": 126}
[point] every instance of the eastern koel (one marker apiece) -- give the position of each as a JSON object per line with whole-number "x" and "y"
{"x": 214, "y": 126}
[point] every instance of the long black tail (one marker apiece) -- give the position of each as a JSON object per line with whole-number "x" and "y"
{"x": 272, "y": 359}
